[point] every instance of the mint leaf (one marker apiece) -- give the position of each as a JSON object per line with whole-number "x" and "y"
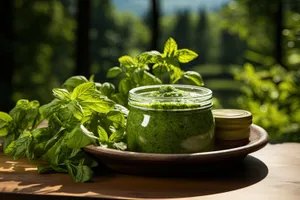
{"x": 61, "y": 94}
{"x": 193, "y": 78}
{"x": 114, "y": 72}
{"x": 73, "y": 82}
{"x": 170, "y": 48}
{"x": 186, "y": 55}
{"x": 83, "y": 91}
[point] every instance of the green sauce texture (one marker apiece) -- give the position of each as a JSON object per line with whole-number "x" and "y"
{"x": 159, "y": 127}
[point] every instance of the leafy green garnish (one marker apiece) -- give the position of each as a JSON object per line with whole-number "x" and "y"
{"x": 165, "y": 66}
{"x": 77, "y": 117}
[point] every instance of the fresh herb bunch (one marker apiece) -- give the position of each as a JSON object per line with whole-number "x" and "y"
{"x": 78, "y": 116}
{"x": 135, "y": 72}
{"x": 84, "y": 112}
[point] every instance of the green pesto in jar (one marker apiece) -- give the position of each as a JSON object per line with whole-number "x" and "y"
{"x": 170, "y": 119}
{"x": 184, "y": 101}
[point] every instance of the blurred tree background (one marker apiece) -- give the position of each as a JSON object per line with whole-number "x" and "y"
{"x": 249, "y": 50}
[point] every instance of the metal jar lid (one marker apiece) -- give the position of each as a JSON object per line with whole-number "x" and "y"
{"x": 232, "y": 124}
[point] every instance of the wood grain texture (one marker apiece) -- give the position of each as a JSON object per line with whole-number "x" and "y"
{"x": 271, "y": 173}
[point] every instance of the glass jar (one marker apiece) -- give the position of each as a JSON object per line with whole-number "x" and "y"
{"x": 170, "y": 123}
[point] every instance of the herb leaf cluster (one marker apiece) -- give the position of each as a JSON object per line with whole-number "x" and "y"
{"x": 78, "y": 116}
{"x": 135, "y": 72}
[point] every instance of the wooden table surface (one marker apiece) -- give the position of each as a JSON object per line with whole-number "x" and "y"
{"x": 270, "y": 173}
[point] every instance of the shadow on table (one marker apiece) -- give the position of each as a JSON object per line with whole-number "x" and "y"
{"x": 248, "y": 172}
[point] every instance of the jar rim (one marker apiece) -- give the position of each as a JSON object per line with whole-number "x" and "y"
{"x": 201, "y": 98}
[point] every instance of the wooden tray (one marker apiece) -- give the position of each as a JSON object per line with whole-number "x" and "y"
{"x": 178, "y": 164}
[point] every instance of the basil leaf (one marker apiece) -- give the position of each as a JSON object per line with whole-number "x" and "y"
{"x": 5, "y": 118}
{"x": 119, "y": 98}
{"x": 149, "y": 57}
{"x": 54, "y": 139}
{"x": 80, "y": 137}
{"x": 32, "y": 116}
{"x": 25, "y": 114}
{"x": 17, "y": 148}
{"x": 39, "y": 139}
{"x": 62, "y": 168}
{"x": 125, "y": 85}
{"x": 70, "y": 114}
{"x": 117, "y": 118}
{"x": 78, "y": 155}
{"x": 122, "y": 109}
{"x": 83, "y": 91}
{"x": 10, "y": 137}
{"x": 98, "y": 104}
{"x": 51, "y": 156}
{"x": 137, "y": 75}
{"x": 120, "y": 146}
{"x": 80, "y": 172}
{"x": 149, "y": 79}
{"x": 103, "y": 137}
{"x": 5, "y": 123}
{"x": 186, "y": 55}
{"x": 170, "y": 48}
{"x": 116, "y": 136}
{"x": 107, "y": 89}
{"x": 126, "y": 60}
{"x": 176, "y": 74}
{"x": 193, "y": 78}
{"x": 61, "y": 94}
{"x": 18, "y": 113}
{"x": 49, "y": 109}
{"x": 160, "y": 69}
{"x": 73, "y": 82}
{"x": 114, "y": 72}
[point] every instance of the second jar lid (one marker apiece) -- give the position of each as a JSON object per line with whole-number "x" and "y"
{"x": 232, "y": 124}
{"x": 232, "y": 117}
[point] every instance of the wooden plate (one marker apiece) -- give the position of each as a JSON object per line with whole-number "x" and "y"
{"x": 178, "y": 164}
